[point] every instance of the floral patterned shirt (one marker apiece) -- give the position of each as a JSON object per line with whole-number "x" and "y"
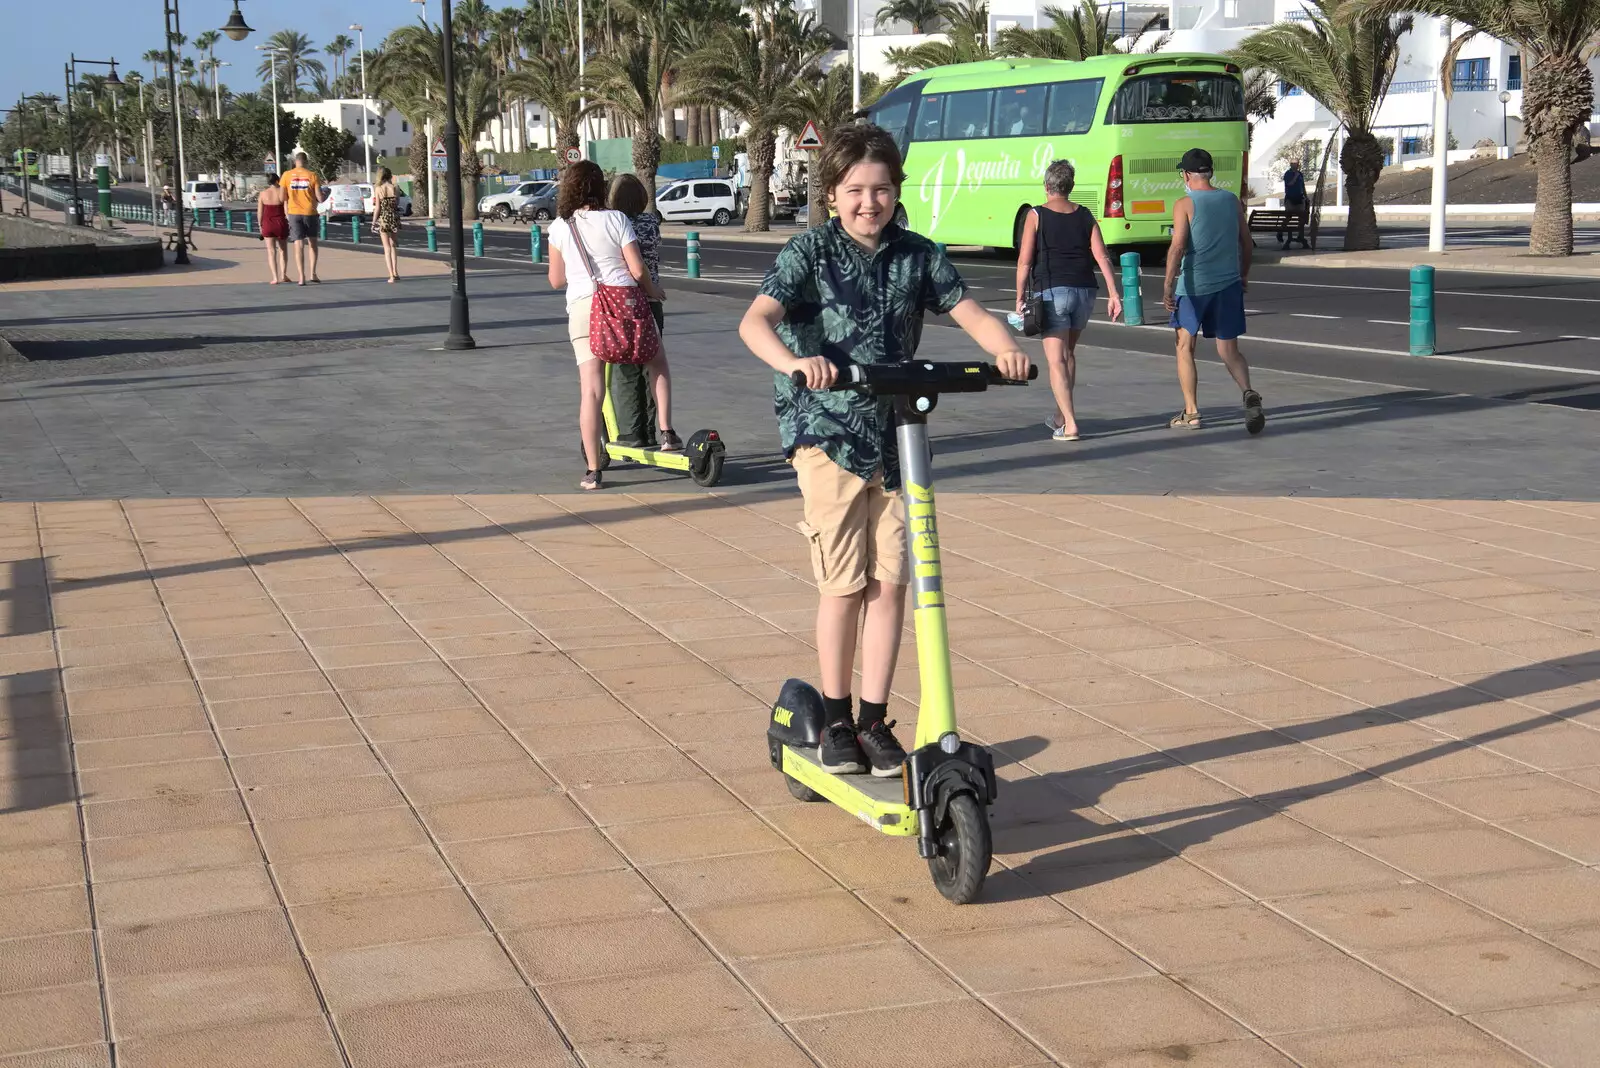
{"x": 648, "y": 229}
{"x": 849, "y": 305}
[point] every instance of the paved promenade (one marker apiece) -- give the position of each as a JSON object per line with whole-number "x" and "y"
{"x": 337, "y": 733}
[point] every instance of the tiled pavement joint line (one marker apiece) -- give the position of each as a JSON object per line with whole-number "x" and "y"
{"x": 566, "y": 791}
{"x": 411, "y": 807}
{"x": 77, "y": 790}
{"x": 233, "y": 776}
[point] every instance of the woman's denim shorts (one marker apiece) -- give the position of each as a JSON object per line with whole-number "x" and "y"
{"x": 1068, "y": 307}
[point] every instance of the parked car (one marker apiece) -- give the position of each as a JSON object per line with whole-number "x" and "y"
{"x": 698, "y": 200}
{"x": 540, "y": 207}
{"x": 198, "y": 196}
{"x": 504, "y": 205}
{"x": 354, "y": 198}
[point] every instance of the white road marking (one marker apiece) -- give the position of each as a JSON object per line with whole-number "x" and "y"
{"x": 1578, "y": 337}
{"x": 1309, "y": 315}
{"x": 1389, "y": 322}
{"x": 1488, "y": 330}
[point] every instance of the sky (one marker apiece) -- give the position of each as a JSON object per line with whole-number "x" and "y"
{"x": 39, "y": 35}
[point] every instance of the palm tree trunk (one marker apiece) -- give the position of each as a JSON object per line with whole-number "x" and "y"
{"x": 762, "y": 147}
{"x": 647, "y": 157}
{"x": 1361, "y": 160}
{"x": 816, "y": 197}
{"x": 1552, "y": 208}
{"x": 691, "y": 125}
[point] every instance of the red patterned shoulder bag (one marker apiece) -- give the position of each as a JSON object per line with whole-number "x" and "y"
{"x": 621, "y": 327}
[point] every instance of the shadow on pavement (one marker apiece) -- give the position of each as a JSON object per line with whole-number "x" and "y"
{"x": 1039, "y": 811}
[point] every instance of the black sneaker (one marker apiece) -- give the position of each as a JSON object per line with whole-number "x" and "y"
{"x": 1255, "y": 420}
{"x": 839, "y": 752}
{"x": 882, "y": 749}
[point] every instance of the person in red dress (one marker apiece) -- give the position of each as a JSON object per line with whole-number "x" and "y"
{"x": 274, "y": 230}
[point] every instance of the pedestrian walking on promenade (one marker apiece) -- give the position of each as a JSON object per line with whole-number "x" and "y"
{"x": 1208, "y": 267}
{"x": 1296, "y": 204}
{"x": 1061, "y": 246}
{"x": 631, "y": 400}
{"x": 386, "y": 220}
{"x": 303, "y": 192}
{"x": 590, "y": 245}
{"x": 274, "y": 229}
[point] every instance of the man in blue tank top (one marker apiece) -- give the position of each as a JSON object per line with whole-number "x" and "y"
{"x": 1207, "y": 269}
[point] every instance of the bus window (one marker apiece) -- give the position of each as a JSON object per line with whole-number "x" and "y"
{"x": 1072, "y": 106}
{"x": 966, "y": 115}
{"x": 1019, "y": 112}
{"x": 1179, "y": 97}
{"x": 893, "y": 113}
{"x": 929, "y": 118}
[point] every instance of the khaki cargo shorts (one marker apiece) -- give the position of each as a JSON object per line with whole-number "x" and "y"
{"x": 856, "y": 530}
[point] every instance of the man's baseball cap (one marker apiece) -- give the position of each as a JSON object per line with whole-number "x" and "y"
{"x": 1196, "y": 161}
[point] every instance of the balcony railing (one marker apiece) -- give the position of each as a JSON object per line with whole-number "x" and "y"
{"x": 1476, "y": 85}
{"x": 1427, "y": 85}
{"x": 1514, "y": 82}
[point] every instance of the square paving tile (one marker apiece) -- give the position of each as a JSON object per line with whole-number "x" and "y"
{"x": 619, "y": 945}
{"x": 199, "y": 943}
{"x": 1091, "y": 1023}
{"x": 1562, "y": 1036}
{"x": 1441, "y": 1041}
{"x": 32, "y": 1020}
{"x": 350, "y": 923}
{"x": 1325, "y": 989}
{"x": 638, "y": 1008}
{"x": 365, "y": 976}
{"x": 1488, "y": 974}
{"x": 297, "y": 1043}
{"x": 882, "y": 975}
{"x": 996, "y": 962}
{"x": 169, "y": 1002}
{"x": 495, "y": 1027}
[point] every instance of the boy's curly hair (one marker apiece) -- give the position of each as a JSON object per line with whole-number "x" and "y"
{"x": 845, "y": 146}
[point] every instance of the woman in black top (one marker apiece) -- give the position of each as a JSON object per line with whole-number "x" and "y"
{"x": 1061, "y": 245}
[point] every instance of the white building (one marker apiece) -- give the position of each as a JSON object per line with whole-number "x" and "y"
{"x": 388, "y": 131}
{"x": 1485, "y": 68}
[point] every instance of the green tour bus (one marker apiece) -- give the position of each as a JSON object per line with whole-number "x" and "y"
{"x": 977, "y": 138}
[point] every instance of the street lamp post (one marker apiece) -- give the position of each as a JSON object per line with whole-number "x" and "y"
{"x": 169, "y": 12}
{"x": 70, "y": 71}
{"x": 1441, "y": 154}
{"x": 1505, "y": 123}
{"x": 460, "y": 335}
{"x": 366, "y": 134}
{"x": 216, "y": 82}
{"x": 277, "y": 146}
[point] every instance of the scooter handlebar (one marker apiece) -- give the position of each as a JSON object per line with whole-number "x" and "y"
{"x": 920, "y": 377}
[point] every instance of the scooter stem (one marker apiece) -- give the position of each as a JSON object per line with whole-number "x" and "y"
{"x": 936, "y": 715}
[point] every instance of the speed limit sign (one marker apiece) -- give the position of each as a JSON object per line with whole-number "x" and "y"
{"x": 574, "y": 155}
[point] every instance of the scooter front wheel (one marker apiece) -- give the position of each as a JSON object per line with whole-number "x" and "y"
{"x": 964, "y": 850}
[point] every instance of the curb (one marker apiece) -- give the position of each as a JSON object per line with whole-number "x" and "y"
{"x": 1585, "y": 272}
{"x": 8, "y": 354}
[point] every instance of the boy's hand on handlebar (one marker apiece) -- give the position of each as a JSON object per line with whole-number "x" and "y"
{"x": 1013, "y": 364}
{"x": 820, "y": 373}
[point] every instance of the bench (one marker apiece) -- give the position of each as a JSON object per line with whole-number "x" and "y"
{"x": 1278, "y": 221}
{"x": 171, "y": 237}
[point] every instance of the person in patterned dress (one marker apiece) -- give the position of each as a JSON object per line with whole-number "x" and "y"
{"x": 386, "y": 219}
{"x": 855, "y": 290}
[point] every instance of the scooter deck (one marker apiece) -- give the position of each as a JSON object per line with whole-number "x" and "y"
{"x": 676, "y": 461}
{"x": 880, "y": 803}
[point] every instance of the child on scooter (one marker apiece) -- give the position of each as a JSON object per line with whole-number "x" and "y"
{"x": 855, "y": 290}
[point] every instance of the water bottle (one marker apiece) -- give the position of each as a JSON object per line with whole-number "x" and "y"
{"x": 1015, "y": 319}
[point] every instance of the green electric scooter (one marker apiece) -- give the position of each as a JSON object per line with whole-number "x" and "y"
{"x": 701, "y": 459}
{"x": 944, "y": 790}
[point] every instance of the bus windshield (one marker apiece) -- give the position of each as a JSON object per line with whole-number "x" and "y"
{"x": 1178, "y": 97}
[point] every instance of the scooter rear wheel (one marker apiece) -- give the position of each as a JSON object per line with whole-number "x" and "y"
{"x": 800, "y": 791}
{"x": 965, "y": 848}
{"x": 710, "y": 474}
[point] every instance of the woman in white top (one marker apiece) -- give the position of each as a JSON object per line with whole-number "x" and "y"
{"x": 609, "y": 239}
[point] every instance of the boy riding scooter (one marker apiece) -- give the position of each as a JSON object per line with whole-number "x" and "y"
{"x": 854, "y": 291}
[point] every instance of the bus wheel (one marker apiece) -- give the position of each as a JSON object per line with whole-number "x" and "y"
{"x": 1016, "y": 228}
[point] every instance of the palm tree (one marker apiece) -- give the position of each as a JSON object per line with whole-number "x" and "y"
{"x": 207, "y": 43}
{"x": 825, "y": 101}
{"x": 922, "y": 14}
{"x": 1260, "y": 99}
{"x": 471, "y": 19}
{"x": 1557, "y": 38}
{"x": 552, "y": 80}
{"x": 296, "y": 57}
{"x": 338, "y": 48}
{"x": 1343, "y": 59}
{"x": 629, "y": 82}
{"x": 1079, "y": 34}
{"x": 967, "y": 40}
{"x": 749, "y": 69}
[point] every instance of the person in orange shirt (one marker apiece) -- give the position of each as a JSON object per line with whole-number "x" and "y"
{"x": 303, "y": 192}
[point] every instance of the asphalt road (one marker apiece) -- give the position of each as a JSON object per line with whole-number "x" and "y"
{"x": 1502, "y": 335}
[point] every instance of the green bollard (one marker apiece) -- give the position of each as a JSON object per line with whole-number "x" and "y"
{"x": 536, "y": 243}
{"x": 477, "y": 238}
{"x": 249, "y": 222}
{"x": 433, "y": 237}
{"x": 355, "y": 230}
{"x": 322, "y": 228}
{"x": 227, "y": 217}
{"x": 1424, "y": 327}
{"x": 693, "y": 240}
{"x": 1132, "y": 298}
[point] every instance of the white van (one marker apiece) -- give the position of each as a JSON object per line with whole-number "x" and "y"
{"x": 198, "y": 196}
{"x": 342, "y": 200}
{"x": 698, "y": 200}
